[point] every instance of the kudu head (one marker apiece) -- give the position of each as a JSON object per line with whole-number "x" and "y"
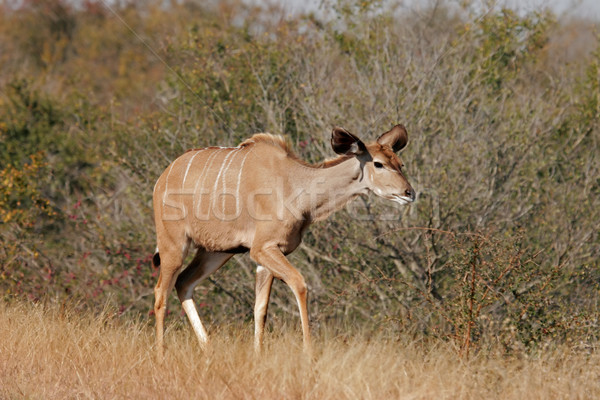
{"x": 381, "y": 166}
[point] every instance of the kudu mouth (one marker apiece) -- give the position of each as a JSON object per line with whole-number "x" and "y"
{"x": 406, "y": 198}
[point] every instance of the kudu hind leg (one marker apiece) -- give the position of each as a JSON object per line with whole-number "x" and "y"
{"x": 203, "y": 264}
{"x": 169, "y": 267}
{"x": 264, "y": 282}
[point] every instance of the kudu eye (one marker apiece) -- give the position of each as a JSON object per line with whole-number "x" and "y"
{"x": 378, "y": 164}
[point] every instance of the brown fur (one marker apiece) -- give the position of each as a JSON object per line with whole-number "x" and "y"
{"x": 259, "y": 197}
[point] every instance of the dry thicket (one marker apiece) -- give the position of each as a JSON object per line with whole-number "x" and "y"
{"x": 502, "y": 109}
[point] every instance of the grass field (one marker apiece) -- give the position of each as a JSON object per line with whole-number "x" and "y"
{"x": 51, "y": 353}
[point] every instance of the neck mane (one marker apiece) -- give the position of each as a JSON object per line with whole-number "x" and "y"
{"x": 280, "y": 142}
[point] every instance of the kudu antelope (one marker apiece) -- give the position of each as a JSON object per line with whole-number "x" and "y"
{"x": 259, "y": 197}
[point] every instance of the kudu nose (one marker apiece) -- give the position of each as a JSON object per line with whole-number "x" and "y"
{"x": 410, "y": 193}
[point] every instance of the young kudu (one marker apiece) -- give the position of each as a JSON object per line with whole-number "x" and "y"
{"x": 259, "y": 197}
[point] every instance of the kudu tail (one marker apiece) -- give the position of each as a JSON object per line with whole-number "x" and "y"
{"x": 156, "y": 260}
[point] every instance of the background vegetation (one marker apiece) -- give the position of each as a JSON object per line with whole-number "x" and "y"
{"x": 503, "y": 111}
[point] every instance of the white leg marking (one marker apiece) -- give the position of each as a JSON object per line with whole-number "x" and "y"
{"x": 190, "y": 309}
{"x": 211, "y": 265}
{"x": 239, "y": 179}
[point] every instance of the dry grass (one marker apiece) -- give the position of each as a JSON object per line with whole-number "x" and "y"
{"x": 48, "y": 353}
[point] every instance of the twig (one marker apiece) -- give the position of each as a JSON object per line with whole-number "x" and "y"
{"x": 416, "y": 228}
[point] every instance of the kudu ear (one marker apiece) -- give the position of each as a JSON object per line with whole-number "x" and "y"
{"x": 396, "y": 138}
{"x": 343, "y": 142}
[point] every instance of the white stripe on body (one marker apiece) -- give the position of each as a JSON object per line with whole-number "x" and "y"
{"x": 203, "y": 174}
{"x": 239, "y": 179}
{"x": 223, "y": 171}
{"x": 167, "y": 183}
{"x": 188, "y": 167}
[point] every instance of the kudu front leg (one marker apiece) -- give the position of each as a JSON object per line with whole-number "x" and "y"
{"x": 275, "y": 262}
{"x": 264, "y": 282}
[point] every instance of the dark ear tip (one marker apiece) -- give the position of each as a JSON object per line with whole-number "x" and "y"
{"x": 401, "y": 127}
{"x": 337, "y": 130}
{"x": 396, "y": 138}
{"x": 343, "y": 142}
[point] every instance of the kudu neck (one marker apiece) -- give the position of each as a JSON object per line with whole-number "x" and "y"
{"x": 330, "y": 189}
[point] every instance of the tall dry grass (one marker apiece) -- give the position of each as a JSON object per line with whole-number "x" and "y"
{"x": 48, "y": 352}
